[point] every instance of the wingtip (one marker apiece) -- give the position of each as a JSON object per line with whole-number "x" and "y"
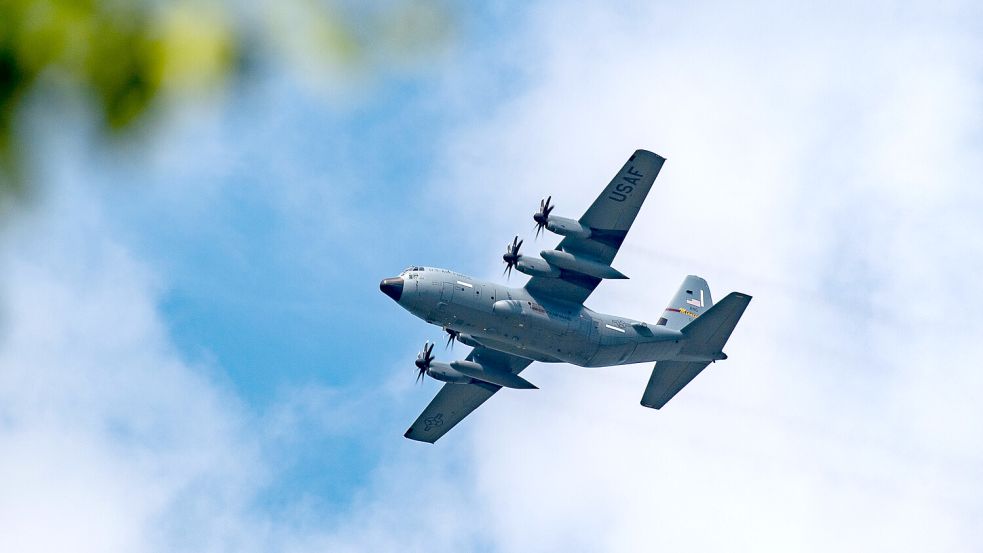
{"x": 645, "y": 152}
{"x": 414, "y": 438}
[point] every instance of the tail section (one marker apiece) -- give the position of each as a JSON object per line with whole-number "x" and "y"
{"x": 705, "y": 339}
{"x": 691, "y": 301}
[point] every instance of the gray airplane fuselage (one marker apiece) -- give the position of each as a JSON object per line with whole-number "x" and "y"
{"x": 513, "y": 321}
{"x": 546, "y": 320}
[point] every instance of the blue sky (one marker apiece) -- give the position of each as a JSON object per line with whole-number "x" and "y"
{"x": 276, "y": 295}
{"x": 270, "y": 217}
{"x": 196, "y": 355}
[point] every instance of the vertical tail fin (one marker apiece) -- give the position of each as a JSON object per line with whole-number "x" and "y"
{"x": 692, "y": 299}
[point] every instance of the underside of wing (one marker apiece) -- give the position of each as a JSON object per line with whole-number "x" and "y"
{"x": 451, "y": 404}
{"x": 499, "y": 360}
{"x": 611, "y": 215}
{"x": 570, "y": 287}
{"x": 605, "y": 225}
{"x": 455, "y": 401}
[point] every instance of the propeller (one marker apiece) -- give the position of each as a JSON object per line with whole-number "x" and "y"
{"x": 451, "y": 337}
{"x": 423, "y": 360}
{"x": 511, "y": 256}
{"x": 543, "y": 215}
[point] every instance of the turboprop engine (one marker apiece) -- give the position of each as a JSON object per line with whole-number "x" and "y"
{"x": 556, "y": 224}
{"x": 530, "y": 266}
{"x": 463, "y": 372}
{"x": 552, "y": 262}
{"x": 439, "y": 371}
{"x": 457, "y": 336}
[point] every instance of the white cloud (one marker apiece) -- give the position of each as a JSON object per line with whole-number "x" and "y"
{"x": 106, "y": 435}
{"x": 822, "y": 160}
{"x": 109, "y": 441}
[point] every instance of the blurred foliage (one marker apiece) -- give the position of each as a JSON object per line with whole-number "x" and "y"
{"x": 122, "y": 57}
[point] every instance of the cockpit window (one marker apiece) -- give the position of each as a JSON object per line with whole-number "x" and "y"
{"x": 410, "y": 269}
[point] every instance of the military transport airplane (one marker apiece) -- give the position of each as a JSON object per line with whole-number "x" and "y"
{"x": 546, "y": 319}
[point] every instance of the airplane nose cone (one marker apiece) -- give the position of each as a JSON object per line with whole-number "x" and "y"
{"x": 392, "y": 287}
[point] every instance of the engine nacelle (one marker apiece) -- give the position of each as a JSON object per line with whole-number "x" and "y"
{"x": 567, "y": 227}
{"x": 494, "y": 376}
{"x": 444, "y": 373}
{"x": 570, "y": 262}
{"x": 468, "y": 340}
{"x": 533, "y": 266}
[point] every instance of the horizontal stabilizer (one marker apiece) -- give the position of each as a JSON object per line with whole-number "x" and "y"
{"x": 501, "y": 378}
{"x": 709, "y": 332}
{"x": 668, "y": 377}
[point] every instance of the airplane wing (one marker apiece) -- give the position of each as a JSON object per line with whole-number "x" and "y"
{"x": 608, "y": 218}
{"x": 455, "y": 401}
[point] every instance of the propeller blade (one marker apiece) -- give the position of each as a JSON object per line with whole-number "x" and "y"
{"x": 451, "y": 337}
{"x": 423, "y": 360}
{"x": 511, "y": 257}
{"x": 542, "y": 216}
